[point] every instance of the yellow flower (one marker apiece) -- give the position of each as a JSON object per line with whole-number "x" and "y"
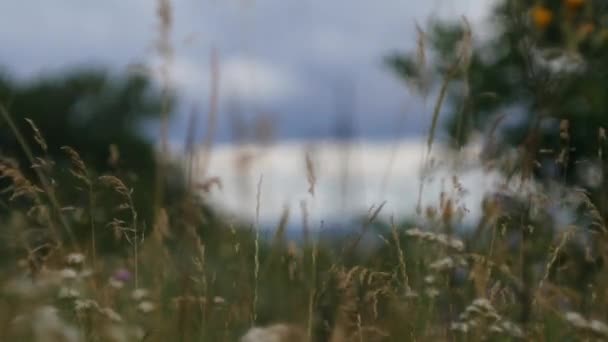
{"x": 541, "y": 16}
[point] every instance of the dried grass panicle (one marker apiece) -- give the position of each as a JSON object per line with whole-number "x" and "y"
{"x": 464, "y": 47}
{"x": 597, "y": 219}
{"x": 116, "y": 184}
{"x": 401, "y": 257}
{"x": 592, "y": 326}
{"x": 442, "y": 239}
{"x": 78, "y": 169}
{"x": 22, "y": 187}
{"x": 447, "y": 263}
{"x": 85, "y": 307}
{"x": 165, "y": 16}
{"x": 38, "y": 135}
{"x": 422, "y": 82}
{"x": 310, "y": 174}
{"x": 481, "y": 316}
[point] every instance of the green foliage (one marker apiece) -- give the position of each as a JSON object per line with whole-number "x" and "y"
{"x": 554, "y": 71}
{"x": 97, "y": 114}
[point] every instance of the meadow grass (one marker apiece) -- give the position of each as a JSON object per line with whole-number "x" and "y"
{"x": 89, "y": 268}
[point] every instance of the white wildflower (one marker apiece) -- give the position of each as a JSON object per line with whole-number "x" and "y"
{"x": 218, "y": 300}
{"x": 598, "y": 327}
{"x": 483, "y": 303}
{"x": 442, "y": 264}
{"x": 85, "y": 304}
{"x": 512, "y": 329}
{"x": 577, "y": 320}
{"x": 115, "y": 283}
{"x": 456, "y": 244}
{"x": 495, "y": 328}
{"x": 139, "y": 294}
{"x": 432, "y": 292}
{"x": 68, "y": 274}
{"x": 68, "y": 293}
{"x": 75, "y": 258}
{"x": 473, "y": 323}
{"x": 462, "y": 327}
{"x": 146, "y": 306}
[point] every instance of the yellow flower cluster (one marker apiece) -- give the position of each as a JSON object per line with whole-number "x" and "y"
{"x": 541, "y": 16}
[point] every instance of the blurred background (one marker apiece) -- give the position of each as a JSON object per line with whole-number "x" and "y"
{"x": 452, "y": 151}
{"x": 291, "y": 78}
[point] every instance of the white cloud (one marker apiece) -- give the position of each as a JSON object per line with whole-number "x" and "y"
{"x": 276, "y": 55}
{"x": 351, "y": 177}
{"x": 253, "y": 80}
{"x": 249, "y": 80}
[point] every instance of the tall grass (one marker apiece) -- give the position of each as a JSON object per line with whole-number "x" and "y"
{"x": 194, "y": 275}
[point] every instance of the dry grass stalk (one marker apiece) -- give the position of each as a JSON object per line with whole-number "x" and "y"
{"x": 165, "y": 50}
{"x": 79, "y": 170}
{"x": 256, "y": 272}
{"x": 310, "y": 174}
{"x": 44, "y": 181}
{"x": 211, "y": 125}
{"x": 133, "y": 238}
{"x": 38, "y": 136}
{"x": 401, "y": 257}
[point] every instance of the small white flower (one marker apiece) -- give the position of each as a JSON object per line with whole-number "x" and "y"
{"x": 442, "y": 264}
{"x": 74, "y": 258}
{"x": 496, "y": 329}
{"x": 115, "y": 283}
{"x": 68, "y": 293}
{"x": 457, "y": 244}
{"x": 139, "y": 294}
{"x": 432, "y": 292}
{"x": 484, "y": 304}
{"x": 598, "y": 327}
{"x": 146, "y": 306}
{"x": 68, "y": 273}
{"x": 85, "y": 304}
{"x": 473, "y": 323}
{"x": 462, "y": 327}
{"x": 218, "y": 300}
{"x": 577, "y": 320}
{"x": 512, "y": 329}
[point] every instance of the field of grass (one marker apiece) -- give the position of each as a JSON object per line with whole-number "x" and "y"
{"x": 81, "y": 263}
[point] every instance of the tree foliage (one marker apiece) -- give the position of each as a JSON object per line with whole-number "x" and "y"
{"x": 536, "y": 78}
{"x": 99, "y": 115}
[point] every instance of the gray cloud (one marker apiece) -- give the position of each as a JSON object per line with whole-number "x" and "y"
{"x": 287, "y": 57}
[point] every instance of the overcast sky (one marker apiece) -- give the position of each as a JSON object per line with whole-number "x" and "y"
{"x": 296, "y": 61}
